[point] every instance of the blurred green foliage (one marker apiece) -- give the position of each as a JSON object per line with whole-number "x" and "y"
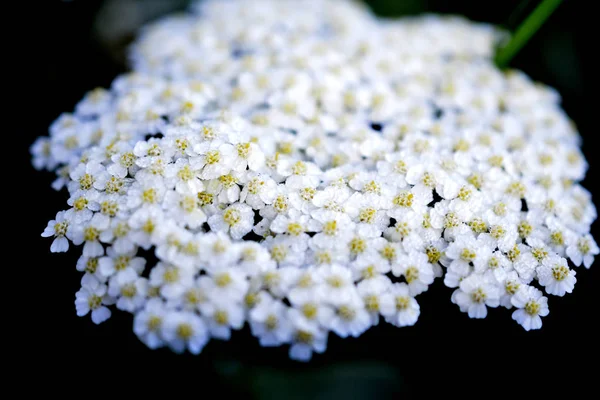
{"x": 356, "y": 380}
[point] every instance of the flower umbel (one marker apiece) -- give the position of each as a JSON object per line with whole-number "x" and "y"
{"x": 295, "y": 177}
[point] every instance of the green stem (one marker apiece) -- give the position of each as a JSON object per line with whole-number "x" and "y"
{"x": 525, "y": 31}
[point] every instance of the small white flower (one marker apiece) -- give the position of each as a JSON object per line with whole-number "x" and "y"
{"x": 145, "y": 193}
{"x": 247, "y": 156}
{"x": 93, "y": 297}
{"x": 269, "y": 322}
{"x": 227, "y": 283}
{"x": 350, "y": 318}
{"x": 182, "y": 330}
{"x": 148, "y": 322}
{"x": 310, "y": 305}
{"x": 475, "y": 293}
{"x": 432, "y": 178}
{"x": 399, "y": 307}
{"x": 90, "y": 265}
{"x": 130, "y": 291}
{"x": 416, "y": 270}
{"x": 58, "y": 228}
{"x": 394, "y": 168}
{"x": 83, "y": 204}
{"x": 85, "y": 177}
{"x": 367, "y": 266}
{"x": 371, "y": 220}
{"x": 183, "y": 177}
{"x": 410, "y": 200}
{"x": 294, "y": 224}
{"x": 237, "y": 219}
{"x": 41, "y": 151}
{"x": 556, "y": 276}
{"x": 468, "y": 202}
{"x": 214, "y": 159}
{"x": 258, "y": 191}
{"x": 183, "y": 208}
{"x": 334, "y": 228}
{"x": 146, "y": 153}
{"x": 222, "y": 315}
{"x": 120, "y": 235}
{"x": 583, "y": 251}
{"x": 467, "y": 250}
{"x": 531, "y": 306}
{"x": 503, "y": 235}
{"x": 372, "y": 291}
{"x": 217, "y": 250}
{"x": 254, "y": 259}
{"x": 306, "y": 339}
{"x": 123, "y": 164}
{"x": 524, "y": 262}
{"x": 89, "y": 233}
{"x": 172, "y": 280}
{"x": 118, "y": 264}
{"x": 337, "y": 285}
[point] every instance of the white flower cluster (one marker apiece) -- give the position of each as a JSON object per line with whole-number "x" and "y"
{"x": 305, "y": 167}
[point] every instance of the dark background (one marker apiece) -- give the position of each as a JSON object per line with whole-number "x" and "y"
{"x": 81, "y": 45}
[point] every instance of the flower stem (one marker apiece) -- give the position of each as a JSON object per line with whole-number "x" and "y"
{"x": 525, "y": 31}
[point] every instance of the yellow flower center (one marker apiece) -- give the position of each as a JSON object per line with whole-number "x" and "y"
{"x": 402, "y": 303}
{"x": 357, "y": 245}
{"x": 347, "y": 313}
{"x": 388, "y": 252}
{"x": 243, "y": 150}
{"x": 514, "y": 254}
{"x": 411, "y": 274}
{"x": 560, "y": 272}
{"x": 221, "y": 317}
{"x": 433, "y": 254}
{"x": 532, "y": 307}
{"x": 280, "y": 204}
{"x": 149, "y": 196}
{"x": 185, "y": 331}
{"x": 307, "y": 194}
{"x": 335, "y": 281}
{"x": 524, "y": 229}
{"x": 404, "y": 199}
{"x": 372, "y": 303}
{"x": 468, "y": 255}
{"x": 309, "y": 310}
{"x": 271, "y": 322}
{"x": 94, "y": 302}
{"x": 232, "y": 216}
{"x": 278, "y": 253}
{"x": 304, "y": 337}
{"x": 213, "y": 157}
{"x": 223, "y": 280}
{"x": 110, "y": 208}
{"x": 330, "y": 228}
{"x": 86, "y": 182}
{"x": 299, "y": 168}
{"x": 90, "y": 234}
{"x": 367, "y": 215}
{"x": 478, "y": 296}
{"x": 171, "y": 275}
{"x": 80, "y": 204}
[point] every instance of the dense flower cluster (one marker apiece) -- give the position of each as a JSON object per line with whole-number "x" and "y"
{"x": 304, "y": 167}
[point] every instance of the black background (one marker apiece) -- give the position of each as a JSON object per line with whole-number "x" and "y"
{"x": 445, "y": 350}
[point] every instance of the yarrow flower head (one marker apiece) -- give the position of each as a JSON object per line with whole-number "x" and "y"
{"x": 286, "y": 171}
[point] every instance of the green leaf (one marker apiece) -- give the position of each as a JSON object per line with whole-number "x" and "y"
{"x": 525, "y": 31}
